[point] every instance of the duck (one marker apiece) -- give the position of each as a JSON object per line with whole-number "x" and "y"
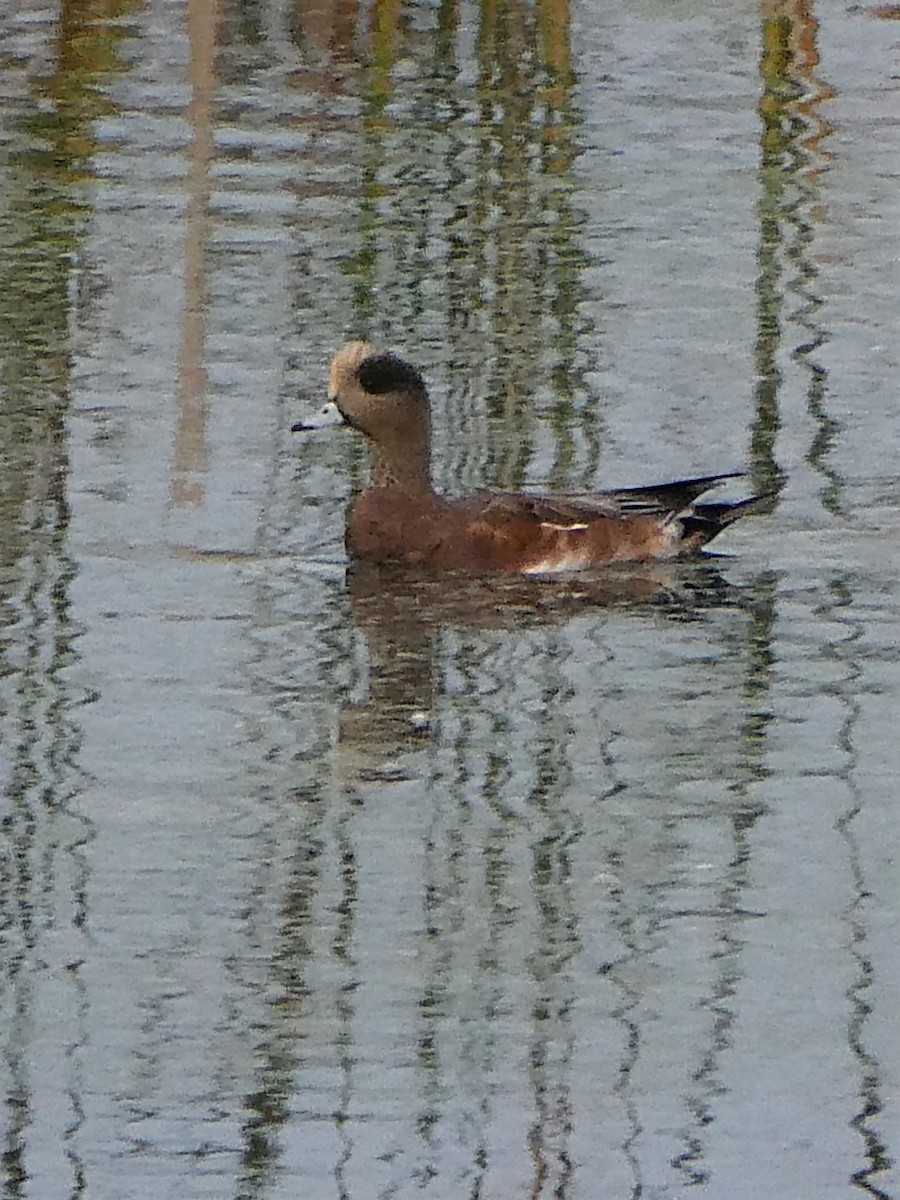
{"x": 399, "y": 517}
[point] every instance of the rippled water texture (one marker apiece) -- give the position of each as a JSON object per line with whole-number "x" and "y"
{"x": 324, "y": 883}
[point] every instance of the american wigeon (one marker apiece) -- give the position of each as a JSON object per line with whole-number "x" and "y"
{"x": 399, "y": 517}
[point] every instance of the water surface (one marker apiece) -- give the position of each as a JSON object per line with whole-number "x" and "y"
{"x": 317, "y": 882}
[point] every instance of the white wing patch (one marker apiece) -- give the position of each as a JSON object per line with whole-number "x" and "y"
{"x": 565, "y": 560}
{"x": 565, "y": 557}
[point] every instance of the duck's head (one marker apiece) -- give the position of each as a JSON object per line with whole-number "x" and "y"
{"x": 378, "y": 393}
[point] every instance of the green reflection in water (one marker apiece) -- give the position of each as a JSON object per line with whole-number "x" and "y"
{"x": 42, "y": 224}
{"x": 44, "y": 211}
{"x": 776, "y": 136}
{"x": 362, "y": 268}
{"x": 533, "y": 261}
{"x": 791, "y": 160}
{"x": 465, "y": 208}
{"x": 43, "y": 163}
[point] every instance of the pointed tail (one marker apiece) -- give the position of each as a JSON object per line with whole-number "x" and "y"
{"x": 706, "y": 521}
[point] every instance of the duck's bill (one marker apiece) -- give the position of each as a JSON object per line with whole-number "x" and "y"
{"x": 327, "y": 416}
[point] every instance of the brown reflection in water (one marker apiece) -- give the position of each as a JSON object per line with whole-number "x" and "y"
{"x": 324, "y": 32}
{"x": 792, "y": 158}
{"x": 191, "y": 454}
{"x": 43, "y": 882}
{"x": 806, "y": 61}
{"x": 402, "y": 614}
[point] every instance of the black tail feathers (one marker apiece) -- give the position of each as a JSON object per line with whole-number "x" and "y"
{"x": 706, "y": 521}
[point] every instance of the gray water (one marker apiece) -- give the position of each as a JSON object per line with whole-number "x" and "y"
{"x": 316, "y": 883}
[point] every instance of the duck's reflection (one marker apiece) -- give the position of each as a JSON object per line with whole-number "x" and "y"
{"x": 403, "y": 613}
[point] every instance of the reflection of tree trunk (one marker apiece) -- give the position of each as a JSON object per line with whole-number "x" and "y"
{"x": 191, "y": 454}
{"x": 400, "y": 612}
{"x": 805, "y": 39}
{"x": 48, "y": 144}
{"x": 791, "y": 159}
{"x": 400, "y": 687}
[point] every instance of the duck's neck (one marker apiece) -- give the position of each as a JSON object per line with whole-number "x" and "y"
{"x": 405, "y": 468}
{"x": 387, "y": 472}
